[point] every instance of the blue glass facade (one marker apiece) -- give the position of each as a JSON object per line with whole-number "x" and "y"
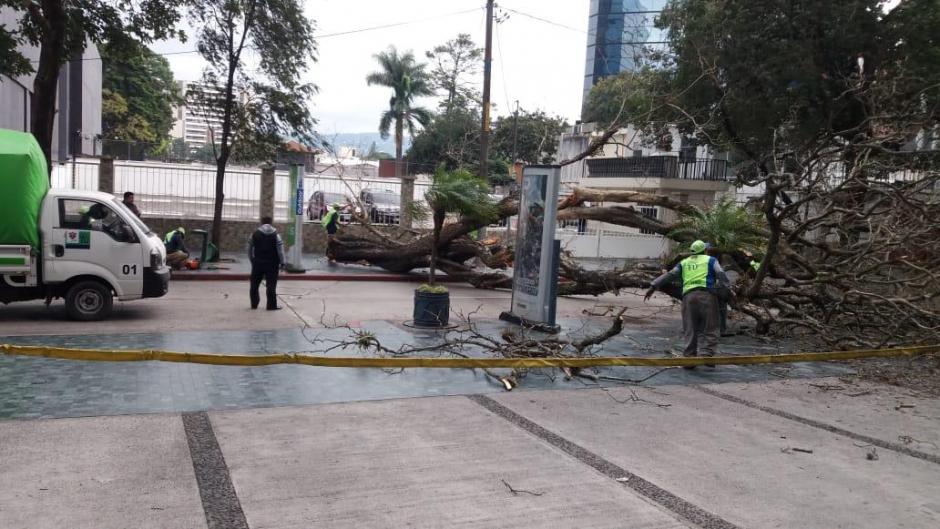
{"x": 618, "y": 33}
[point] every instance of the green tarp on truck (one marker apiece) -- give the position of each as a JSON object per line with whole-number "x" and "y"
{"x": 24, "y": 181}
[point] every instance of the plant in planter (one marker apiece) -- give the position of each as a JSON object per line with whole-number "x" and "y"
{"x": 463, "y": 193}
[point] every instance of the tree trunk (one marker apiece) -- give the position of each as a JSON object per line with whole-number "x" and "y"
{"x": 436, "y": 240}
{"x": 52, "y": 20}
{"x": 407, "y": 181}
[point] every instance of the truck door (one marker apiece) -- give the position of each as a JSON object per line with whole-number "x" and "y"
{"x": 91, "y": 238}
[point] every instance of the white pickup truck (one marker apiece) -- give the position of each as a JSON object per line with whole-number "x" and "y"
{"x": 84, "y": 246}
{"x": 92, "y": 249}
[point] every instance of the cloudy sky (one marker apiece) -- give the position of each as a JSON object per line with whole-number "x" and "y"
{"x": 536, "y": 62}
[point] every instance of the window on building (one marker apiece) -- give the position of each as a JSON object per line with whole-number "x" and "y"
{"x": 652, "y": 213}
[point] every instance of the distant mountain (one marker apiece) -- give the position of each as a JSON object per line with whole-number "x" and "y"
{"x": 362, "y": 140}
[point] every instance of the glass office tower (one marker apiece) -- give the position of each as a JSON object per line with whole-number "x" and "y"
{"x": 619, "y": 31}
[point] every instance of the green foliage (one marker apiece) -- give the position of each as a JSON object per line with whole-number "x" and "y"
{"x": 725, "y": 225}
{"x": 120, "y": 123}
{"x": 454, "y": 64}
{"x": 753, "y": 75}
{"x": 408, "y": 80}
{"x": 635, "y": 98}
{"x": 428, "y": 288}
{"x": 142, "y": 83}
{"x": 460, "y": 192}
{"x": 452, "y": 139}
{"x": 534, "y": 135}
{"x": 12, "y": 63}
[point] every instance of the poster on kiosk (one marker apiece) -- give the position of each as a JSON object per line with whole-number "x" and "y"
{"x": 535, "y": 270}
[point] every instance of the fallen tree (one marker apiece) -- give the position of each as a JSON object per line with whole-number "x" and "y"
{"x": 836, "y": 142}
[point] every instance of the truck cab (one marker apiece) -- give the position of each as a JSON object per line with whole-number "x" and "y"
{"x": 92, "y": 249}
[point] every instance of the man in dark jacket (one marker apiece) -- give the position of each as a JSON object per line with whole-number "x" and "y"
{"x": 266, "y": 252}
{"x": 129, "y": 202}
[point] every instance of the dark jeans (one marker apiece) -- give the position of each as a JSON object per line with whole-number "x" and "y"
{"x": 268, "y": 272}
{"x": 700, "y": 317}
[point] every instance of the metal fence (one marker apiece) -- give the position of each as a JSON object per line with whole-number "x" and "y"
{"x": 349, "y": 188}
{"x": 81, "y": 175}
{"x": 659, "y": 167}
{"x": 173, "y": 190}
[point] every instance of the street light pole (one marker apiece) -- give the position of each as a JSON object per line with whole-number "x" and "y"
{"x": 487, "y": 70}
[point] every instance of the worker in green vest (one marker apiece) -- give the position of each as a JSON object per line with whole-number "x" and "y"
{"x": 330, "y": 223}
{"x": 701, "y": 276}
{"x": 176, "y": 254}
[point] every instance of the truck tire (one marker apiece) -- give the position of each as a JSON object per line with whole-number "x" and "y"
{"x": 89, "y": 301}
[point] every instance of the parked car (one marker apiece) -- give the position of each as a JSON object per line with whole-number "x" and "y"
{"x": 321, "y": 200}
{"x": 382, "y": 206}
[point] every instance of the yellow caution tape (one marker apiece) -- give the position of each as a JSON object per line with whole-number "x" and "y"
{"x": 100, "y": 355}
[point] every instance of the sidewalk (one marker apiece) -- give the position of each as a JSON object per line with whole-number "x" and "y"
{"x": 717, "y": 456}
{"x": 236, "y": 267}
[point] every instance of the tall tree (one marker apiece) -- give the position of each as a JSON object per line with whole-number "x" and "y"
{"x": 454, "y": 64}
{"x": 532, "y": 137}
{"x": 452, "y": 140}
{"x": 408, "y": 80}
{"x": 143, "y": 80}
{"x": 256, "y": 51}
{"x": 62, "y": 29}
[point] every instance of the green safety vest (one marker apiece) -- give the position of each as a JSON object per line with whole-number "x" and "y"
{"x": 695, "y": 272}
{"x": 328, "y": 218}
{"x": 169, "y": 236}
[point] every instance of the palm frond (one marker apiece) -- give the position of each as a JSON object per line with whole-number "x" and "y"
{"x": 725, "y": 225}
{"x": 460, "y": 192}
{"x": 385, "y": 124}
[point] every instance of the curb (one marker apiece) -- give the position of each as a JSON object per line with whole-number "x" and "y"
{"x": 391, "y": 278}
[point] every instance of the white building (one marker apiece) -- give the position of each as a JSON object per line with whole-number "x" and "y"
{"x": 194, "y": 124}
{"x": 679, "y": 169}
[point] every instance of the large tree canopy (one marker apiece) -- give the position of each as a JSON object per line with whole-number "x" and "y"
{"x": 530, "y": 137}
{"x": 142, "y": 82}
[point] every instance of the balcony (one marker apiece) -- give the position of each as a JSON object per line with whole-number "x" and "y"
{"x": 659, "y": 167}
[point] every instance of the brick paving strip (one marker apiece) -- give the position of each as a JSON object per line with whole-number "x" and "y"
{"x": 219, "y": 501}
{"x": 901, "y": 449}
{"x": 651, "y": 491}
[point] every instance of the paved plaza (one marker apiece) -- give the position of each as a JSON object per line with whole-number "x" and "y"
{"x": 103, "y": 445}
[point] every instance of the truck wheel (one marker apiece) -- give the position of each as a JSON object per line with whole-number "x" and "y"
{"x": 89, "y": 301}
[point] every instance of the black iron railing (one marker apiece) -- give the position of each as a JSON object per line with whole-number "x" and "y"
{"x": 659, "y": 167}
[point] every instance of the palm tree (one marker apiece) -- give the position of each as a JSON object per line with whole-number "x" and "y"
{"x": 726, "y": 225}
{"x": 408, "y": 81}
{"x": 461, "y": 192}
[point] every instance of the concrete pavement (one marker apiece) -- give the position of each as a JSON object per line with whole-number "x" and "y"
{"x": 223, "y": 305}
{"x": 688, "y": 459}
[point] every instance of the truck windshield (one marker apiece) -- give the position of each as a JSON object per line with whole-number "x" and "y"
{"x": 117, "y": 204}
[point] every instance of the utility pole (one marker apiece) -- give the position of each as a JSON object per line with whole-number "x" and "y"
{"x": 515, "y": 136}
{"x": 487, "y": 70}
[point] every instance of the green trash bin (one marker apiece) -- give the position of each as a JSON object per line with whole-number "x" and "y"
{"x": 202, "y": 243}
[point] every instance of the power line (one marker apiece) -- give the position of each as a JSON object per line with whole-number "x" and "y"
{"x": 396, "y": 24}
{"x": 545, "y": 20}
{"x": 502, "y": 69}
{"x": 323, "y": 36}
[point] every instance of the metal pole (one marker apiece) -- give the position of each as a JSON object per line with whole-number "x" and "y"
{"x": 487, "y": 70}
{"x": 515, "y": 138}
